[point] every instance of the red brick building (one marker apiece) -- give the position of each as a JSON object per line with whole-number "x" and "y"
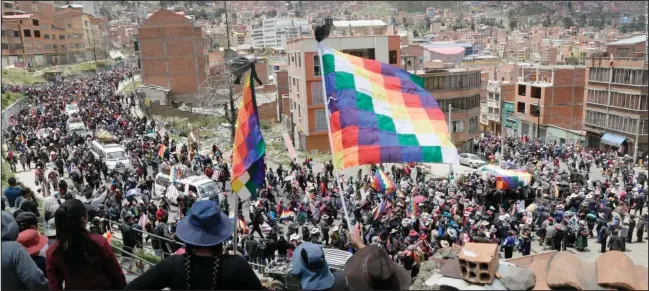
{"x": 550, "y": 99}
{"x": 173, "y": 53}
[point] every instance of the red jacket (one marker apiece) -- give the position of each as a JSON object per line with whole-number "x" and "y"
{"x": 104, "y": 274}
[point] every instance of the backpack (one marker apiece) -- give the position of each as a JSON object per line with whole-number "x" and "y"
{"x": 155, "y": 242}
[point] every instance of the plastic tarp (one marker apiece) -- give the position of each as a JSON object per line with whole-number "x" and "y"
{"x": 613, "y": 139}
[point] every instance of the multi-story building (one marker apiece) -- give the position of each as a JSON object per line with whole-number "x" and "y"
{"x": 72, "y": 40}
{"x": 45, "y": 36}
{"x": 493, "y": 106}
{"x": 549, "y": 102}
{"x": 358, "y": 27}
{"x": 615, "y": 98}
{"x": 459, "y": 88}
{"x": 308, "y": 123}
{"x": 173, "y": 54}
{"x": 274, "y": 32}
{"x": 509, "y": 123}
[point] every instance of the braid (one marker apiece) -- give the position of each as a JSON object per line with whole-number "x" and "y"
{"x": 188, "y": 266}
{"x": 215, "y": 272}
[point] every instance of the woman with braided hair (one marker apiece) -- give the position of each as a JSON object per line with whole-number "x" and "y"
{"x": 203, "y": 265}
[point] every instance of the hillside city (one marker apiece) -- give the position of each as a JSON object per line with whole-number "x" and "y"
{"x": 548, "y": 87}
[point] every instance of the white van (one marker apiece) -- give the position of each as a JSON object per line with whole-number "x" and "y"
{"x": 113, "y": 155}
{"x": 71, "y": 108}
{"x": 202, "y": 186}
{"x": 77, "y": 125}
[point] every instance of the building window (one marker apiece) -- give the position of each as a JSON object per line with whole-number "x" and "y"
{"x": 46, "y": 36}
{"x": 393, "y": 57}
{"x": 48, "y": 46}
{"x": 536, "y": 92}
{"x": 457, "y": 126}
{"x": 473, "y": 124}
{"x": 69, "y": 25}
{"x": 521, "y": 90}
{"x": 595, "y": 118}
{"x": 320, "y": 120}
{"x": 520, "y": 107}
{"x": 535, "y": 110}
{"x": 316, "y": 65}
{"x": 299, "y": 60}
{"x": 37, "y": 33}
{"x": 293, "y": 58}
{"x": 598, "y": 74}
{"x": 316, "y": 93}
{"x": 35, "y": 22}
{"x": 62, "y": 36}
{"x": 27, "y": 33}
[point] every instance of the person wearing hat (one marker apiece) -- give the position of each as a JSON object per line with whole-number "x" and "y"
{"x": 36, "y": 246}
{"x": 26, "y": 220}
{"x": 50, "y": 231}
{"x": 310, "y": 266}
{"x": 581, "y": 242}
{"x": 371, "y": 268}
{"x": 162, "y": 247}
{"x": 81, "y": 259}
{"x": 203, "y": 265}
{"x": 19, "y": 271}
{"x": 324, "y": 227}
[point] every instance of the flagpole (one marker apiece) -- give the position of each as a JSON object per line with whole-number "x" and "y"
{"x": 331, "y": 143}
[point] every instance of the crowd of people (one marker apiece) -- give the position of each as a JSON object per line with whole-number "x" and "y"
{"x": 296, "y": 213}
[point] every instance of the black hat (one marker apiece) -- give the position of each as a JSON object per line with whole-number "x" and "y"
{"x": 63, "y": 184}
{"x": 25, "y": 219}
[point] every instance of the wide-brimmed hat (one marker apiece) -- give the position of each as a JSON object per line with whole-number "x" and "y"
{"x": 412, "y": 232}
{"x": 205, "y": 226}
{"x": 32, "y": 241}
{"x": 314, "y": 231}
{"x": 372, "y": 269}
{"x": 444, "y": 243}
{"x": 425, "y": 215}
{"x": 294, "y": 236}
{"x": 335, "y": 228}
{"x": 324, "y": 216}
{"x": 393, "y": 230}
{"x": 589, "y": 196}
{"x": 310, "y": 266}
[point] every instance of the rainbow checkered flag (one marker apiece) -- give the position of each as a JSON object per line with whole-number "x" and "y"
{"x": 380, "y": 113}
{"x": 249, "y": 147}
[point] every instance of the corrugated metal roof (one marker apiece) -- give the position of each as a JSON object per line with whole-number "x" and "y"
{"x": 631, "y": 40}
{"x": 19, "y": 16}
{"x": 358, "y": 23}
{"x": 446, "y": 50}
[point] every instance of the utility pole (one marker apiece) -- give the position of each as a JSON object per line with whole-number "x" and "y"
{"x": 450, "y": 137}
{"x": 231, "y": 94}
{"x": 538, "y": 119}
{"x": 635, "y": 142}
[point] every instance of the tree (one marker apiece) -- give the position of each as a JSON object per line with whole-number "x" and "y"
{"x": 415, "y": 33}
{"x": 547, "y": 21}
{"x": 214, "y": 95}
{"x": 472, "y": 26}
{"x": 427, "y": 20}
{"x": 501, "y": 23}
{"x": 570, "y": 6}
{"x": 568, "y": 23}
{"x": 513, "y": 24}
{"x": 92, "y": 41}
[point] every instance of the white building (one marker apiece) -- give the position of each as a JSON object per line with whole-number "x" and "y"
{"x": 445, "y": 54}
{"x": 273, "y": 33}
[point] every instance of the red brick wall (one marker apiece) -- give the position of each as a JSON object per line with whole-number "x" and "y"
{"x": 268, "y": 112}
{"x": 170, "y": 57}
{"x": 508, "y": 92}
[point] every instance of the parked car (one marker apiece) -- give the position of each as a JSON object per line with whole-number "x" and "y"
{"x": 471, "y": 160}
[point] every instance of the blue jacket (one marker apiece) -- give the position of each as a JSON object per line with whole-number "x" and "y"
{"x": 12, "y": 192}
{"x": 19, "y": 271}
{"x": 509, "y": 242}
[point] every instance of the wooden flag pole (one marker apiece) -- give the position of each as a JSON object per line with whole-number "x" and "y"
{"x": 331, "y": 143}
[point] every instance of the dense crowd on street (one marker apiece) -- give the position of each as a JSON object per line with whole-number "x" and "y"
{"x": 296, "y": 213}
